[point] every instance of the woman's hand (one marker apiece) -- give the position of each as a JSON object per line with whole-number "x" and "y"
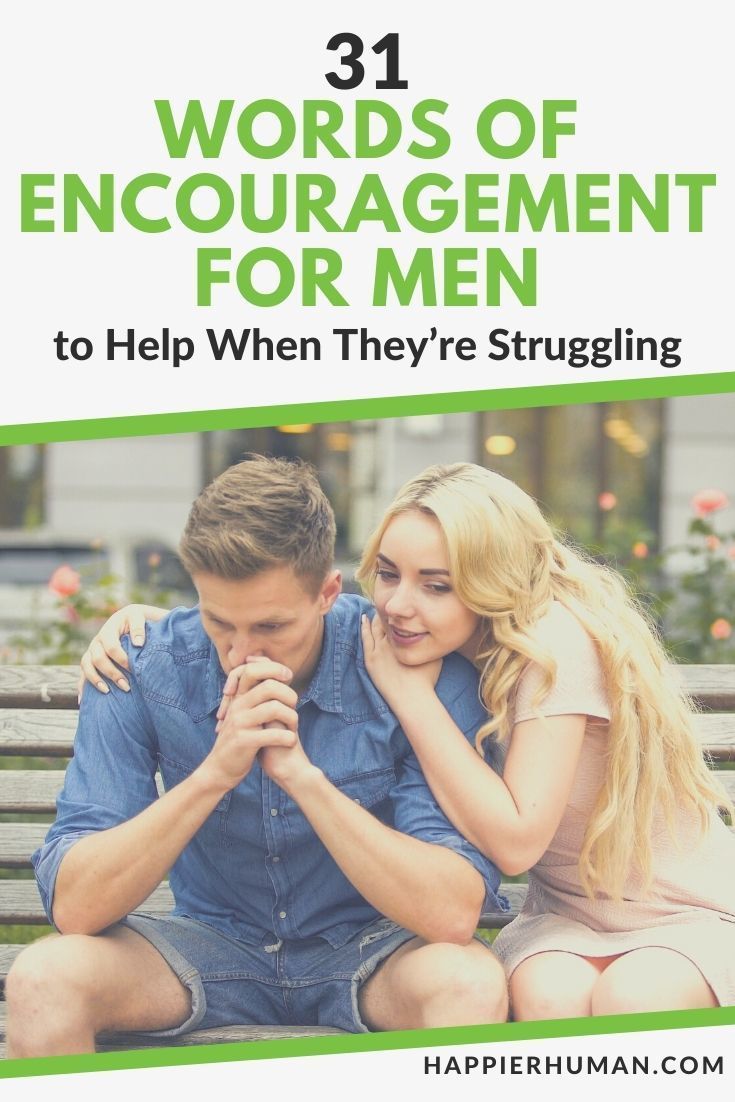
{"x": 392, "y": 679}
{"x": 104, "y": 654}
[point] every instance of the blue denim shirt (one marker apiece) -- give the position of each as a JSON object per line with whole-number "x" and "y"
{"x": 256, "y": 869}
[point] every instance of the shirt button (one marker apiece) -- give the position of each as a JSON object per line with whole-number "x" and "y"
{"x": 276, "y": 860}
{"x": 356, "y": 800}
{"x": 282, "y": 914}
{"x": 274, "y": 811}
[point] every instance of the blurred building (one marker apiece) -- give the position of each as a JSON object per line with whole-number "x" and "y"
{"x": 609, "y": 473}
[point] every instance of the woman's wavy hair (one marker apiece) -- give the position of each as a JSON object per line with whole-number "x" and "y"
{"x": 507, "y": 566}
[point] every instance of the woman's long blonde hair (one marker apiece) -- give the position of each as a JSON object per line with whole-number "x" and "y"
{"x": 507, "y": 566}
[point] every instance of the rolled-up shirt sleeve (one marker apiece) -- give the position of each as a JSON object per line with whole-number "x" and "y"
{"x": 110, "y": 779}
{"x": 417, "y": 813}
{"x": 415, "y": 807}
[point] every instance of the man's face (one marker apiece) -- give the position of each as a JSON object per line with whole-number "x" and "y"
{"x": 272, "y": 614}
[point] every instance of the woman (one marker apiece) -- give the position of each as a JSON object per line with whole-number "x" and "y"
{"x": 604, "y": 797}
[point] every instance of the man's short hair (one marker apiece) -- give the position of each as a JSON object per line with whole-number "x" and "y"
{"x": 261, "y": 513}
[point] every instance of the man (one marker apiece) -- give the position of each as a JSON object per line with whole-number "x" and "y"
{"x": 290, "y": 826}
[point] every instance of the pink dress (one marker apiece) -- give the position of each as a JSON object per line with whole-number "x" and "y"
{"x": 691, "y": 906}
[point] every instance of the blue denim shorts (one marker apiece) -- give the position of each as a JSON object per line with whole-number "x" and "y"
{"x": 293, "y": 983}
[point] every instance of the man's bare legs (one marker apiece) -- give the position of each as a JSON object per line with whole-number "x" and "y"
{"x": 64, "y": 990}
{"x": 424, "y": 985}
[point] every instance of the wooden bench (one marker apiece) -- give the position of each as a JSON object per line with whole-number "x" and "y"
{"x": 38, "y": 707}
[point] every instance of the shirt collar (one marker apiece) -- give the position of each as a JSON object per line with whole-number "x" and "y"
{"x": 214, "y": 682}
{"x": 324, "y": 687}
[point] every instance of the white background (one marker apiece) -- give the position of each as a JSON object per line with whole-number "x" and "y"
{"x": 651, "y": 82}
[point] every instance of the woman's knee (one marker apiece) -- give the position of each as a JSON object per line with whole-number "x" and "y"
{"x": 552, "y": 985}
{"x": 650, "y": 979}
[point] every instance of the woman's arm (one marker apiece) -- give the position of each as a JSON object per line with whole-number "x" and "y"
{"x": 513, "y": 818}
{"x": 104, "y": 655}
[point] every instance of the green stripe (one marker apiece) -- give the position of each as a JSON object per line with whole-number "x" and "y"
{"x": 369, "y": 1042}
{"x": 356, "y": 409}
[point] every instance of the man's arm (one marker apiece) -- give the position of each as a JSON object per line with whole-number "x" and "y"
{"x": 424, "y": 875}
{"x": 124, "y": 839}
{"x": 427, "y": 888}
{"x": 106, "y": 875}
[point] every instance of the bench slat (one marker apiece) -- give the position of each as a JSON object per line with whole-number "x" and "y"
{"x": 20, "y": 903}
{"x": 17, "y": 843}
{"x": 38, "y": 686}
{"x": 493, "y": 920}
{"x": 716, "y": 734}
{"x": 712, "y": 686}
{"x": 35, "y": 733}
{"x": 25, "y": 791}
{"x": 55, "y": 686}
{"x": 30, "y": 790}
{"x": 34, "y": 790}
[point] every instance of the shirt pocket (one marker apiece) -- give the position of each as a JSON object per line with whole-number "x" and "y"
{"x": 368, "y": 789}
{"x": 214, "y": 827}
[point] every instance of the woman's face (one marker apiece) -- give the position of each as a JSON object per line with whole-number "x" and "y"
{"x": 423, "y": 617}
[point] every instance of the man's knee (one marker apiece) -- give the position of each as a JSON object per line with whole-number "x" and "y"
{"x": 454, "y": 984}
{"x": 47, "y": 972}
{"x": 470, "y": 976}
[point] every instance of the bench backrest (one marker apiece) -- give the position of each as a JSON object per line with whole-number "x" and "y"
{"x": 38, "y": 706}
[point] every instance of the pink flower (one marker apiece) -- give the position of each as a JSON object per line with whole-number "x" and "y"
{"x": 65, "y": 581}
{"x": 709, "y": 501}
{"x": 721, "y": 629}
{"x": 607, "y": 501}
{"x": 712, "y": 542}
{"x": 640, "y": 550}
{"x": 154, "y": 560}
{"x": 731, "y": 552}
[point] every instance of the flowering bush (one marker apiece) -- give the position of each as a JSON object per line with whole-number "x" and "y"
{"x": 709, "y": 501}
{"x": 691, "y": 587}
{"x": 84, "y": 603}
{"x": 65, "y": 581}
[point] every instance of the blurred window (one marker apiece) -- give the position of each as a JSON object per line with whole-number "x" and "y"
{"x": 28, "y": 564}
{"x": 161, "y": 567}
{"x": 22, "y": 503}
{"x": 595, "y": 469}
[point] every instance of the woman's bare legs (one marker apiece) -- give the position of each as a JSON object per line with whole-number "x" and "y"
{"x": 564, "y": 985}
{"x": 651, "y": 979}
{"x": 554, "y": 985}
